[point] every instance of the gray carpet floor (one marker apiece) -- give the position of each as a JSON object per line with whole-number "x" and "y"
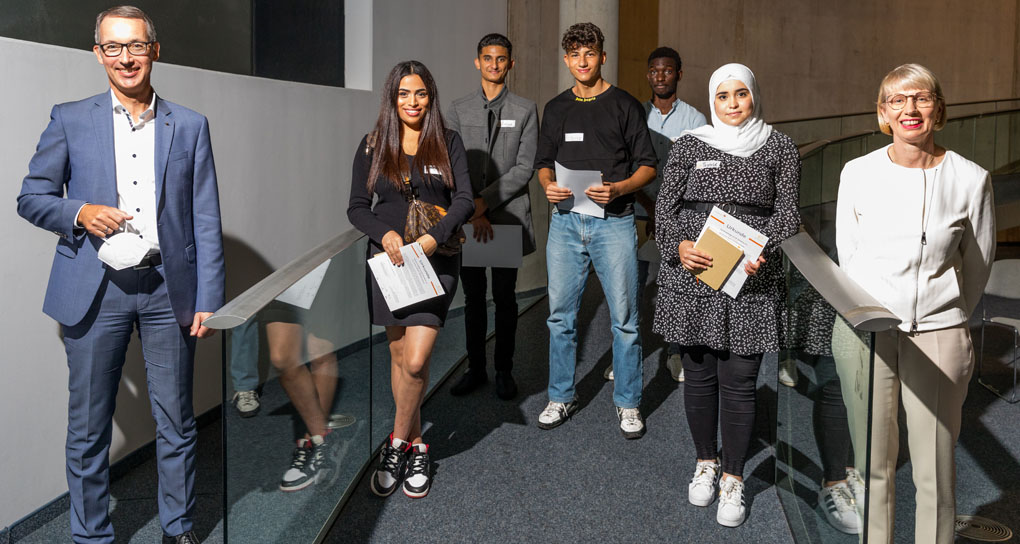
{"x": 498, "y": 477}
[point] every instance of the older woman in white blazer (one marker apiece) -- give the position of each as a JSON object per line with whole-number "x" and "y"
{"x": 915, "y": 228}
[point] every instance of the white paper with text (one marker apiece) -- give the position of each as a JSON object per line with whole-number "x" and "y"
{"x": 402, "y": 286}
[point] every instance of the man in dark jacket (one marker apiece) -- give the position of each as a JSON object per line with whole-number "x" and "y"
{"x": 500, "y": 133}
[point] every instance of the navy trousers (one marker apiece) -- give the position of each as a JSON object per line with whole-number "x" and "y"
{"x": 95, "y": 356}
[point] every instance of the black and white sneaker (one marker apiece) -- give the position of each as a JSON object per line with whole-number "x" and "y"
{"x": 418, "y": 479}
{"x": 310, "y": 463}
{"x": 555, "y": 414}
{"x": 392, "y": 461}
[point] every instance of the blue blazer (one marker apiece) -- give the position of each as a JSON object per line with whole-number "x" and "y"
{"x": 76, "y": 154}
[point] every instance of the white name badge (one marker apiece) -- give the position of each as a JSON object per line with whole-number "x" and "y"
{"x": 433, "y": 170}
{"x": 507, "y": 123}
{"x": 573, "y": 137}
{"x": 707, "y": 164}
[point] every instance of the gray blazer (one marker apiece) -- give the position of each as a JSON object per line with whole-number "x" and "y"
{"x": 501, "y": 137}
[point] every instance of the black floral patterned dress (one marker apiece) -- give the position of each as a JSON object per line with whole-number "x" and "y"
{"x": 690, "y": 313}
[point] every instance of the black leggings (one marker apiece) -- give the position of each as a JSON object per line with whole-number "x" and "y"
{"x": 707, "y": 373}
{"x": 831, "y": 430}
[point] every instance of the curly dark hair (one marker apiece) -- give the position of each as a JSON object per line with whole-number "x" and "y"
{"x": 582, "y": 35}
{"x": 665, "y": 53}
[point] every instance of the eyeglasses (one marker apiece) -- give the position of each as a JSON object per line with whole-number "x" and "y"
{"x": 922, "y": 100}
{"x": 114, "y": 49}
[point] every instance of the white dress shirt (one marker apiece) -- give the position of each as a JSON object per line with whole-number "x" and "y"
{"x": 135, "y": 149}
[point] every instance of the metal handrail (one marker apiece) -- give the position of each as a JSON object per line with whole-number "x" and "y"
{"x": 872, "y": 112}
{"x": 812, "y": 147}
{"x": 248, "y": 303}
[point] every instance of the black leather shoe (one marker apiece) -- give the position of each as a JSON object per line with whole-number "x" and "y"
{"x": 183, "y": 538}
{"x": 471, "y": 380}
{"x": 506, "y": 387}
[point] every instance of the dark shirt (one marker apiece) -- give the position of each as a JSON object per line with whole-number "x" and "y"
{"x": 607, "y": 132}
{"x": 390, "y": 211}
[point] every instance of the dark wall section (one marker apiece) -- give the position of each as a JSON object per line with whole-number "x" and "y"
{"x": 300, "y": 40}
{"x": 215, "y": 35}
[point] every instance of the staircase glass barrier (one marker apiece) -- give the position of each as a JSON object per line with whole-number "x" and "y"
{"x": 824, "y": 421}
{"x": 302, "y": 340}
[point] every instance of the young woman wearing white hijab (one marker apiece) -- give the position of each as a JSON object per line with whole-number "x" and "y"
{"x": 742, "y": 165}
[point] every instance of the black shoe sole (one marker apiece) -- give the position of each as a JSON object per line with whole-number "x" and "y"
{"x": 252, "y": 413}
{"x": 632, "y": 436}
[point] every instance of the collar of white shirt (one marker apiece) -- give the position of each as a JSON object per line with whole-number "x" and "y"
{"x": 148, "y": 115}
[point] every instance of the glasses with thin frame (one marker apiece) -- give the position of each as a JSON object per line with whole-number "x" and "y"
{"x": 923, "y": 99}
{"x": 114, "y": 49}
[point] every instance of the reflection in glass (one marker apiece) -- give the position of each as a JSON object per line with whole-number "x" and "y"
{"x": 288, "y": 466}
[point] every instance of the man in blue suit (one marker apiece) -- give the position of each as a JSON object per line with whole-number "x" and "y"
{"x": 139, "y": 244}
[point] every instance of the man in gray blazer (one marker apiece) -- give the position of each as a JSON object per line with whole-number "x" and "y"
{"x": 500, "y": 133}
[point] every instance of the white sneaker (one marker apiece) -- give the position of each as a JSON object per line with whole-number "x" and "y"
{"x": 246, "y": 402}
{"x": 788, "y": 372}
{"x": 731, "y": 502}
{"x": 675, "y": 364}
{"x": 856, "y": 485}
{"x": 837, "y": 502}
{"x": 701, "y": 490}
{"x": 555, "y": 414}
{"x": 631, "y": 423}
{"x": 608, "y": 373}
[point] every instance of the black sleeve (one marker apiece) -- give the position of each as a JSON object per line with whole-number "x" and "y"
{"x": 549, "y": 136}
{"x": 359, "y": 208}
{"x": 462, "y": 202}
{"x": 635, "y": 132}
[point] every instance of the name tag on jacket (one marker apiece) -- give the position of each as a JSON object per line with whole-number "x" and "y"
{"x": 573, "y": 137}
{"x": 700, "y": 165}
{"x": 507, "y": 123}
{"x": 433, "y": 170}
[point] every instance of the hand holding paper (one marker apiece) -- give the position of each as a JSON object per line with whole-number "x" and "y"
{"x": 405, "y": 285}
{"x": 578, "y": 182}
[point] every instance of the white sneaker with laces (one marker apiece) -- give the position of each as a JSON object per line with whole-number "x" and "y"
{"x": 555, "y": 414}
{"x": 788, "y": 372}
{"x": 856, "y": 485}
{"x": 838, "y": 504}
{"x": 632, "y": 425}
{"x": 675, "y": 364}
{"x": 731, "y": 502}
{"x": 701, "y": 490}
{"x": 246, "y": 402}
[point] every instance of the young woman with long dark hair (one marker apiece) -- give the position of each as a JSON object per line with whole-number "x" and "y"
{"x": 409, "y": 151}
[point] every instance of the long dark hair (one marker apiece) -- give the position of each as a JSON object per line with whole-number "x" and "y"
{"x": 388, "y": 156}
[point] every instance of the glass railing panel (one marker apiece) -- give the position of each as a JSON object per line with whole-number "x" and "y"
{"x": 822, "y": 406}
{"x": 984, "y": 142}
{"x": 811, "y": 168}
{"x": 308, "y": 353}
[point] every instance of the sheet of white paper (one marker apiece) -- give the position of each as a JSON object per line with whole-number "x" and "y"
{"x": 503, "y": 250}
{"x": 303, "y": 291}
{"x": 738, "y": 232}
{"x": 577, "y": 181}
{"x": 649, "y": 252}
{"x": 402, "y": 286}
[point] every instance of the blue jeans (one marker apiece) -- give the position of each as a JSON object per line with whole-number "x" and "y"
{"x": 609, "y": 244}
{"x": 244, "y": 356}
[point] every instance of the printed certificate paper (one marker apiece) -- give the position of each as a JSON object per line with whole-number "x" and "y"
{"x": 577, "y": 181}
{"x": 740, "y": 235}
{"x": 402, "y": 286}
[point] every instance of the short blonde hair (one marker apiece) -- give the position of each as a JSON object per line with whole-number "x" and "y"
{"x": 916, "y": 76}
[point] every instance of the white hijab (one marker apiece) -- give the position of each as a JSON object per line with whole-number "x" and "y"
{"x": 742, "y": 140}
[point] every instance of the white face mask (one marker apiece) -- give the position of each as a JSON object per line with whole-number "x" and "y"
{"x": 123, "y": 249}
